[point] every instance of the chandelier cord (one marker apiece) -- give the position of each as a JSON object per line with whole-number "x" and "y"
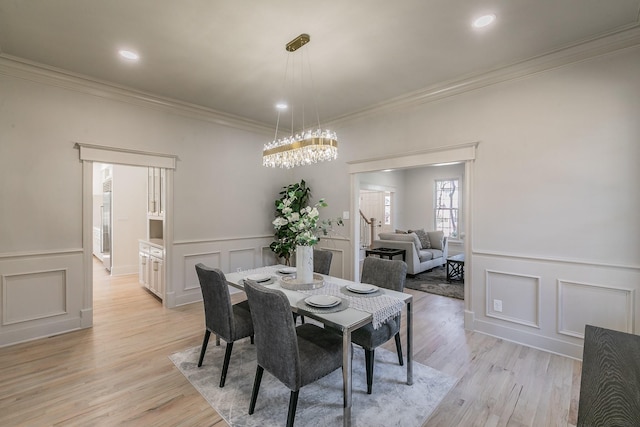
{"x": 313, "y": 91}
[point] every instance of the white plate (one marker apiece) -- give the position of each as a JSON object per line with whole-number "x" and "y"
{"x": 258, "y": 277}
{"x": 287, "y": 270}
{"x": 362, "y": 288}
{"x": 323, "y": 301}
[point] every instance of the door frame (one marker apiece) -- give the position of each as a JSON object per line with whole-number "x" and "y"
{"x": 461, "y": 153}
{"x": 90, "y": 153}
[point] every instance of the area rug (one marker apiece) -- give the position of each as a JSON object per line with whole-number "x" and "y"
{"x": 392, "y": 403}
{"x": 435, "y": 282}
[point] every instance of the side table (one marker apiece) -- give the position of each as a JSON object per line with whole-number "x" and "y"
{"x": 455, "y": 268}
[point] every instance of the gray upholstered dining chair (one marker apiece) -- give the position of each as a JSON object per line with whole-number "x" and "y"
{"x": 385, "y": 274}
{"x": 322, "y": 261}
{"x": 229, "y": 322}
{"x": 296, "y": 356}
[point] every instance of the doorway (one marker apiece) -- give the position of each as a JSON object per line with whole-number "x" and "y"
{"x": 90, "y": 154}
{"x": 462, "y": 153}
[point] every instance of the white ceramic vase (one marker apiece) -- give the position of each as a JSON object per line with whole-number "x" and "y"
{"x": 304, "y": 264}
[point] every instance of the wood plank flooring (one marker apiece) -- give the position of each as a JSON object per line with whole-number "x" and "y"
{"x": 119, "y": 373}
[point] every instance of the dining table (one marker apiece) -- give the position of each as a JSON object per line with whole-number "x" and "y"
{"x": 356, "y": 311}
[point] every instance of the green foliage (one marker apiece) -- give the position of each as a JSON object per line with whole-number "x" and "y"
{"x": 297, "y": 223}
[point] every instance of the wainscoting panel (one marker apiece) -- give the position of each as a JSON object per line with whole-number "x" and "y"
{"x": 546, "y": 303}
{"x": 228, "y": 255}
{"x": 609, "y": 307}
{"x": 268, "y": 257}
{"x": 337, "y": 261}
{"x": 243, "y": 259}
{"x": 210, "y": 259}
{"x": 18, "y": 291}
{"x": 41, "y": 294}
{"x": 518, "y": 294}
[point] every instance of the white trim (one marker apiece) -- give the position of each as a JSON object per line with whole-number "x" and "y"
{"x": 553, "y": 259}
{"x": 22, "y": 68}
{"x": 491, "y": 313}
{"x": 125, "y": 156}
{"x": 30, "y": 254}
{"x": 577, "y": 52}
{"x": 630, "y": 312}
{"x": 28, "y": 70}
{"x": 5, "y": 300}
{"x": 447, "y": 154}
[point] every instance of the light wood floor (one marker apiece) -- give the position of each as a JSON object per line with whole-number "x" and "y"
{"x": 118, "y": 372}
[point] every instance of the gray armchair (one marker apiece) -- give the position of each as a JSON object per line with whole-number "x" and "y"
{"x": 390, "y": 275}
{"x": 229, "y": 322}
{"x": 296, "y": 356}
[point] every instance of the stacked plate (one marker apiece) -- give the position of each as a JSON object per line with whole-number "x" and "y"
{"x": 258, "y": 278}
{"x": 362, "y": 288}
{"x": 287, "y": 270}
{"x": 323, "y": 301}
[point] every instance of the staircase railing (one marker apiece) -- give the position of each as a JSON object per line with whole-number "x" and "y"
{"x": 366, "y": 231}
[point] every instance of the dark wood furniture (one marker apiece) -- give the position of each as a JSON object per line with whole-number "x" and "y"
{"x": 455, "y": 268}
{"x": 610, "y": 383}
{"x": 387, "y": 252}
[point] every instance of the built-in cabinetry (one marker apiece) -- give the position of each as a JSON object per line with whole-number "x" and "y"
{"x": 151, "y": 249}
{"x": 155, "y": 199}
{"x": 151, "y": 266}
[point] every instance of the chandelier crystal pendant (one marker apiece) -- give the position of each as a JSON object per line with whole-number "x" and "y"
{"x": 306, "y": 146}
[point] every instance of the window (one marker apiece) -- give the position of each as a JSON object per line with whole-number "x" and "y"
{"x": 447, "y": 204}
{"x": 387, "y": 208}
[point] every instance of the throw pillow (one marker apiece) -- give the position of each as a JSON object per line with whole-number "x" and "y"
{"x": 424, "y": 238}
{"x": 416, "y": 240}
{"x": 401, "y": 232}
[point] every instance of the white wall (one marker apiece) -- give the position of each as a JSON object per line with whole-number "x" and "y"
{"x": 554, "y": 196}
{"x": 222, "y": 198}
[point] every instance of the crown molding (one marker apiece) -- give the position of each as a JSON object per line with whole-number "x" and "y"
{"x": 21, "y": 68}
{"x": 628, "y": 37}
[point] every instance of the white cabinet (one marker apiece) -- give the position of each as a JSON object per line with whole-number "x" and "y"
{"x": 155, "y": 192}
{"x": 151, "y": 267}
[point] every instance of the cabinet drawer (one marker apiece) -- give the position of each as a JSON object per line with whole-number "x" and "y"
{"x": 158, "y": 253}
{"x": 144, "y": 247}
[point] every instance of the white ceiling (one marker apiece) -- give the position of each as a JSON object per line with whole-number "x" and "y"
{"x": 229, "y": 55}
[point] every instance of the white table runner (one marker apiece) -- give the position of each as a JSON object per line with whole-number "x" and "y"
{"x": 382, "y": 307}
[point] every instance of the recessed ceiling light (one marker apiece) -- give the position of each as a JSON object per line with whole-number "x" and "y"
{"x": 484, "y": 20}
{"x": 281, "y": 106}
{"x": 129, "y": 55}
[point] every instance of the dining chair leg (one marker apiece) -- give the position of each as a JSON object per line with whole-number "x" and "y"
{"x": 207, "y": 333}
{"x": 369, "y": 357}
{"x": 256, "y": 387}
{"x": 225, "y": 365}
{"x": 251, "y": 339}
{"x": 399, "y": 349}
{"x": 293, "y": 403}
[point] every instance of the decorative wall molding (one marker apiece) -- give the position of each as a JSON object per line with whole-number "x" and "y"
{"x": 37, "y": 254}
{"x": 220, "y": 239}
{"x": 27, "y": 70}
{"x": 537, "y": 258}
{"x": 493, "y": 280}
{"x": 125, "y": 156}
{"x": 446, "y": 154}
{"x": 210, "y": 259}
{"x": 577, "y": 52}
{"x": 609, "y": 307}
{"x": 18, "y": 290}
{"x": 40, "y": 73}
